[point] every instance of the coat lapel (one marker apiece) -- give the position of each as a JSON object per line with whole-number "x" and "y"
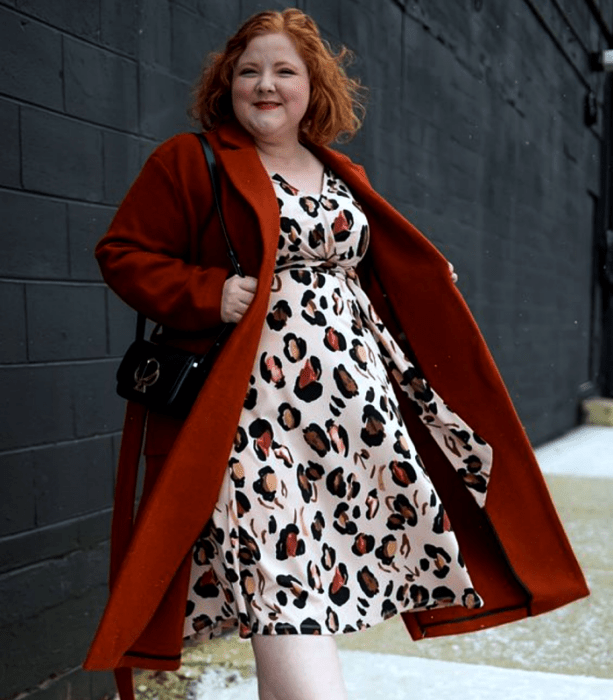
{"x": 240, "y": 162}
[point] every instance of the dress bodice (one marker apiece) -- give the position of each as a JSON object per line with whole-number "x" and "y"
{"x": 324, "y": 230}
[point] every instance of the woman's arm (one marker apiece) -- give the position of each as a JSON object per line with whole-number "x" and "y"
{"x": 143, "y": 255}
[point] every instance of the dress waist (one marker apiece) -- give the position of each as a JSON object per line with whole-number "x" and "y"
{"x": 332, "y": 267}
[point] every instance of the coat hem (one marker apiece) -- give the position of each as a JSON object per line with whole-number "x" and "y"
{"x": 144, "y": 655}
{"x": 462, "y": 625}
{"x": 151, "y": 662}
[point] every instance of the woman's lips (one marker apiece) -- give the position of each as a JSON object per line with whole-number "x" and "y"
{"x": 267, "y": 105}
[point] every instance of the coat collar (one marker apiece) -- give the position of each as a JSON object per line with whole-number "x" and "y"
{"x": 241, "y": 163}
{"x": 247, "y": 173}
{"x": 232, "y": 135}
{"x": 389, "y": 229}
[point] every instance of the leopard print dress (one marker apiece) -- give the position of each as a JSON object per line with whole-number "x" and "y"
{"x": 327, "y": 521}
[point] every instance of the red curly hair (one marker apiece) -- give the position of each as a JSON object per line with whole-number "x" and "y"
{"x": 336, "y": 107}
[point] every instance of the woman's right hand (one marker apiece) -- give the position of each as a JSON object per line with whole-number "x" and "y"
{"x": 238, "y": 292}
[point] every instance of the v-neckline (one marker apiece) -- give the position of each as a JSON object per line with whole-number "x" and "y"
{"x": 300, "y": 192}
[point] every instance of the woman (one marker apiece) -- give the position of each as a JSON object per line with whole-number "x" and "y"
{"x": 322, "y": 462}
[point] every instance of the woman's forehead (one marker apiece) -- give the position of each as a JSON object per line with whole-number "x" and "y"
{"x": 278, "y": 46}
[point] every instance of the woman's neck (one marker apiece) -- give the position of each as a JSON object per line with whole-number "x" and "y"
{"x": 289, "y": 154}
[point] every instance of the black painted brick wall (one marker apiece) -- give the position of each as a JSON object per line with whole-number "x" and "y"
{"x": 474, "y": 131}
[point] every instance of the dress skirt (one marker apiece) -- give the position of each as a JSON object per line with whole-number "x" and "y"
{"x": 327, "y": 521}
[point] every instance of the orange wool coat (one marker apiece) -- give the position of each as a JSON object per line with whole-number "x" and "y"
{"x": 515, "y": 548}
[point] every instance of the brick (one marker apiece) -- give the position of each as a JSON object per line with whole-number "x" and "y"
{"x": 36, "y": 405}
{"x": 119, "y": 25}
{"x": 384, "y": 112}
{"x": 220, "y": 13}
{"x": 529, "y": 220}
{"x": 154, "y": 37}
{"x": 100, "y": 86}
{"x": 464, "y": 125}
{"x": 327, "y": 15}
{"x": 494, "y": 196}
{"x": 460, "y": 183}
{"x": 450, "y": 20}
{"x": 67, "y": 629}
{"x": 10, "y": 163}
{"x": 360, "y": 25}
{"x": 419, "y": 93}
{"x": 102, "y": 685}
{"x": 12, "y": 316}
{"x": 462, "y": 209}
{"x": 18, "y": 511}
{"x": 191, "y": 35}
{"x": 591, "y": 160}
{"x": 80, "y": 17}
{"x": 121, "y": 324}
{"x": 116, "y": 448}
{"x": 72, "y": 686}
{"x": 123, "y": 159}
{"x": 87, "y": 223}
{"x": 34, "y": 238}
{"x": 72, "y": 479}
{"x": 146, "y": 149}
{"x": 65, "y": 322}
{"x": 31, "y": 60}
{"x": 98, "y": 408}
{"x": 466, "y": 80}
{"x": 34, "y": 545}
{"x": 163, "y": 104}
{"x": 190, "y": 5}
{"x": 61, "y": 156}
{"x": 55, "y": 582}
{"x": 251, "y": 7}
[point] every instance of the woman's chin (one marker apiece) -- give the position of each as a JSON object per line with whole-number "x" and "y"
{"x": 269, "y": 129}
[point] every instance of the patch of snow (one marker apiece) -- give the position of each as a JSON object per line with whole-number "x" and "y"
{"x": 382, "y": 676}
{"x": 583, "y": 451}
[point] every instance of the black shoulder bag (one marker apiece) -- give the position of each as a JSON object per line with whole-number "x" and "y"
{"x": 164, "y": 378}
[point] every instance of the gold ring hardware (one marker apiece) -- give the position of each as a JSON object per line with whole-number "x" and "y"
{"x": 147, "y": 374}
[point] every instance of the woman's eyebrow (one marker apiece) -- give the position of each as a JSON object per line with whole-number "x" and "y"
{"x": 283, "y": 62}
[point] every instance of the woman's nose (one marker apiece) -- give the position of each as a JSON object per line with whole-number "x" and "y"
{"x": 266, "y": 82}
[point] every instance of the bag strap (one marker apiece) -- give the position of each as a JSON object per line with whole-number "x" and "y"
{"x": 211, "y": 163}
{"x": 214, "y": 173}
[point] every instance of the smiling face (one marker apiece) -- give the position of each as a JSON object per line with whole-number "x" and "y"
{"x": 270, "y": 88}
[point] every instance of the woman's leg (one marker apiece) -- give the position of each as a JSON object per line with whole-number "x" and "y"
{"x": 298, "y": 667}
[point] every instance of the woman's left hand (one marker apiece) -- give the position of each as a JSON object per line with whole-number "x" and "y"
{"x": 454, "y": 276}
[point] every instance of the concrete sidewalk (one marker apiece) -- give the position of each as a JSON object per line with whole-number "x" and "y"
{"x": 562, "y": 655}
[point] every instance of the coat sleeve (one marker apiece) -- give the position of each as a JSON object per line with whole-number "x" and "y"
{"x": 143, "y": 255}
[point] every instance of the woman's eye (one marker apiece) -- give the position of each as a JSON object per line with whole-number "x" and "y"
{"x": 287, "y": 71}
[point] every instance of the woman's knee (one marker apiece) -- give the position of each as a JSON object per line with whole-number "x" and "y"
{"x": 298, "y": 667}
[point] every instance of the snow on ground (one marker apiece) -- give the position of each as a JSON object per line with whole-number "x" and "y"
{"x": 383, "y": 676}
{"x": 583, "y": 451}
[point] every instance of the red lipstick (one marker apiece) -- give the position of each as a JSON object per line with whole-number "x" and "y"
{"x": 267, "y": 105}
